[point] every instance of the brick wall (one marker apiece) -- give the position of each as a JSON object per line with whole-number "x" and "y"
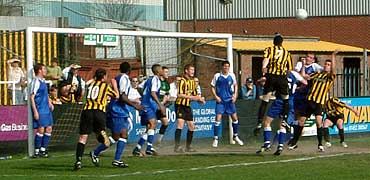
{"x": 352, "y": 31}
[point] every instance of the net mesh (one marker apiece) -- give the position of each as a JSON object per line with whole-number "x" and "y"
{"x": 92, "y": 52}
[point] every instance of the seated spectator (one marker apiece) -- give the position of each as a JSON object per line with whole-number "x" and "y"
{"x": 259, "y": 84}
{"x": 249, "y": 90}
{"x": 133, "y": 94}
{"x": 16, "y": 74}
{"x": 71, "y": 76}
{"x": 53, "y": 95}
{"x": 54, "y": 72}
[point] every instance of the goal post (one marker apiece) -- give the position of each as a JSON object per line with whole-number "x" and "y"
{"x": 30, "y": 59}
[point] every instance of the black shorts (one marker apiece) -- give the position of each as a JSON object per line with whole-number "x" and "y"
{"x": 312, "y": 108}
{"x": 278, "y": 83}
{"x": 92, "y": 120}
{"x": 334, "y": 119}
{"x": 159, "y": 114}
{"x": 184, "y": 112}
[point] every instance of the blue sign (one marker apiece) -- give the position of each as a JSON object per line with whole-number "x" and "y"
{"x": 204, "y": 119}
{"x": 352, "y": 123}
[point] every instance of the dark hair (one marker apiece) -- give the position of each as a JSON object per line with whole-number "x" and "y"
{"x": 278, "y": 40}
{"x": 188, "y": 66}
{"x": 99, "y": 74}
{"x": 54, "y": 60}
{"x": 37, "y": 67}
{"x": 164, "y": 67}
{"x": 328, "y": 60}
{"x": 53, "y": 87}
{"x": 225, "y": 62}
{"x": 124, "y": 67}
{"x": 155, "y": 68}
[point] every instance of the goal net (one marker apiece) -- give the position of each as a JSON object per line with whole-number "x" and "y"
{"x": 89, "y": 49}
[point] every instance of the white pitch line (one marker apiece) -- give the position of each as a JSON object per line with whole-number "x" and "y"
{"x": 188, "y": 169}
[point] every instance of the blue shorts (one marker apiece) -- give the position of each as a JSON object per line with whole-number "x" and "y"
{"x": 45, "y": 120}
{"x": 146, "y": 115}
{"x": 276, "y": 110}
{"x": 225, "y": 108}
{"x": 116, "y": 125}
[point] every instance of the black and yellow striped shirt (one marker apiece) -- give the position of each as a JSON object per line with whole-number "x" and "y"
{"x": 321, "y": 84}
{"x": 334, "y": 107}
{"x": 187, "y": 87}
{"x": 279, "y": 60}
{"x": 97, "y": 93}
{"x": 68, "y": 99}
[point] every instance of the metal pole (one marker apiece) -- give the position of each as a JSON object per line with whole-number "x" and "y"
{"x": 29, "y": 50}
{"x": 61, "y": 12}
{"x": 366, "y": 77}
{"x": 195, "y": 15}
{"x": 231, "y": 61}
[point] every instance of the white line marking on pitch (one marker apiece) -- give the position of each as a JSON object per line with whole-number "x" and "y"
{"x": 188, "y": 169}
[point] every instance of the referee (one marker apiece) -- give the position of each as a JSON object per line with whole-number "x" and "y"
{"x": 276, "y": 64}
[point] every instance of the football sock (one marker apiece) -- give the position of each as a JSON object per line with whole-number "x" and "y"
{"x": 235, "y": 125}
{"x": 282, "y": 137}
{"x": 45, "y": 140}
{"x": 216, "y": 129}
{"x": 177, "y": 137}
{"x": 142, "y": 141}
{"x": 326, "y": 134}
{"x": 189, "y": 138}
{"x": 120, "y": 147}
{"x": 341, "y": 135}
{"x": 150, "y": 139}
{"x": 38, "y": 140}
{"x": 79, "y": 151}
{"x": 319, "y": 135}
{"x": 163, "y": 128}
{"x": 267, "y": 136}
{"x": 99, "y": 149}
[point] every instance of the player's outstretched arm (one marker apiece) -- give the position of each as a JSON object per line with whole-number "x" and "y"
{"x": 353, "y": 110}
{"x": 333, "y": 64}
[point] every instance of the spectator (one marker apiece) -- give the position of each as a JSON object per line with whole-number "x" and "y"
{"x": 173, "y": 88}
{"x": 54, "y": 72}
{"x": 133, "y": 93}
{"x": 199, "y": 89}
{"x": 16, "y": 74}
{"x": 259, "y": 87}
{"x": 53, "y": 95}
{"x": 71, "y": 76}
{"x": 249, "y": 90}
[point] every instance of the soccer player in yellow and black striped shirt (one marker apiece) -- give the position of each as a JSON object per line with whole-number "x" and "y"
{"x": 276, "y": 64}
{"x": 93, "y": 116}
{"x": 334, "y": 109}
{"x": 321, "y": 84}
{"x": 187, "y": 91}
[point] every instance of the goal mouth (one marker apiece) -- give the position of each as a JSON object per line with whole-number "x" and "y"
{"x": 107, "y": 48}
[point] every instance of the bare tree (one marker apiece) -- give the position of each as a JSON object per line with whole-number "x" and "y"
{"x": 15, "y": 7}
{"x": 119, "y": 10}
